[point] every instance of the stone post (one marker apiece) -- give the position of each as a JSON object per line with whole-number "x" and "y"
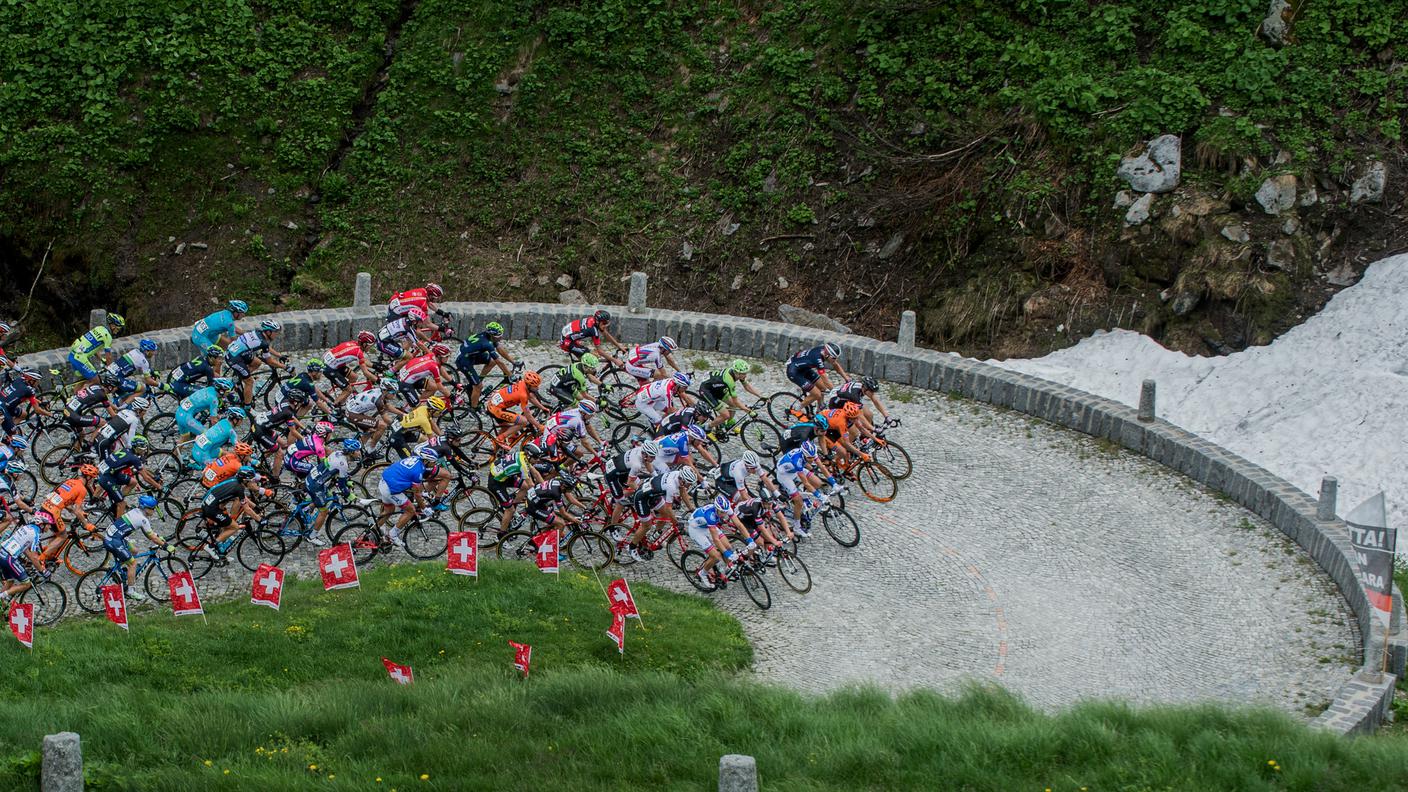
{"x": 98, "y": 317}
{"x": 1146, "y": 401}
{"x": 906, "y": 337}
{"x": 635, "y": 303}
{"x": 362, "y": 293}
{"x": 1329, "y": 491}
{"x": 738, "y": 773}
{"x": 62, "y": 768}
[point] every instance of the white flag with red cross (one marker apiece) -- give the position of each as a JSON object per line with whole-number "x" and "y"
{"x": 401, "y": 673}
{"x": 114, "y": 604}
{"x": 618, "y": 595}
{"x": 268, "y": 586}
{"x": 22, "y": 622}
{"x": 463, "y": 557}
{"x": 522, "y": 656}
{"x": 185, "y": 600}
{"x": 617, "y": 632}
{"x": 547, "y": 551}
{"x": 338, "y": 567}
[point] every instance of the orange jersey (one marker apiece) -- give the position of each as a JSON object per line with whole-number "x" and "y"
{"x": 70, "y": 494}
{"x": 837, "y": 420}
{"x": 220, "y": 470}
{"x": 510, "y": 396}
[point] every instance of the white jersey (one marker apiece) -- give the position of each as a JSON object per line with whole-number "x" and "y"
{"x": 364, "y": 402}
{"x": 25, "y": 537}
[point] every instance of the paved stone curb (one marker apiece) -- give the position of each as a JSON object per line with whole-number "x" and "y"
{"x": 1359, "y": 706}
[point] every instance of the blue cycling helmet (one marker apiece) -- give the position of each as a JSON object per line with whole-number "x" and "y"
{"x": 809, "y": 449}
{"x": 352, "y": 445}
{"x": 245, "y": 473}
{"x": 429, "y": 454}
{"x": 18, "y": 443}
{"x": 147, "y": 502}
{"x": 214, "y": 352}
{"x": 683, "y": 378}
{"x": 223, "y": 383}
{"x": 238, "y": 306}
{"x": 820, "y": 422}
{"x": 235, "y": 412}
{"x": 723, "y": 504}
{"x": 146, "y": 345}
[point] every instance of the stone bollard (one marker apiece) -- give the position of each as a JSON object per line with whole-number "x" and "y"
{"x": 1329, "y": 491}
{"x": 906, "y": 337}
{"x": 98, "y": 317}
{"x": 1146, "y": 401}
{"x": 362, "y": 292}
{"x": 62, "y": 769}
{"x": 738, "y": 773}
{"x": 635, "y": 303}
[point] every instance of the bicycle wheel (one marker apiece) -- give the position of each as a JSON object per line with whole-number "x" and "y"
{"x": 426, "y": 539}
{"x": 364, "y": 539}
{"x": 841, "y": 526}
{"x": 784, "y": 408}
{"x": 876, "y": 482}
{"x": 48, "y": 599}
{"x": 24, "y": 485}
{"x": 760, "y": 437}
{"x": 166, "y": 467}
{"x": 549, "y": 372}
{"x": 162, "y": 431}
{"x": 160, "y": 572}
{"x": 590, "y": 550}
{"x": 259, "y": 545}
{"x": 83, "y": 555}
{"x": 88, "y": 591}
{"x": 478, "y": 520}
{"x": 622, "y": 433}
{"x": 756, "y": 587}
{"x": 615, "y": 388}
{"x": 516, "y": 546}
{"x": 53, "y": 465}
{"x": 690, "y": 563}
{"x": 198, "y": 561}
{"x": 894, "y": 458}
{"x": 794, "y": 572}
{"x": 470, "y": 499}
{"x": 290, "y": 527}
{"x": 675, "y": 548}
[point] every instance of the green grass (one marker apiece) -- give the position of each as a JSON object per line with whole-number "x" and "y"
{"x": 298, "y": 700}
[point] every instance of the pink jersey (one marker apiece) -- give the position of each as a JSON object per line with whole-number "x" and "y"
{"x": 348, "y": 353}
{"x": 417, "y": 369}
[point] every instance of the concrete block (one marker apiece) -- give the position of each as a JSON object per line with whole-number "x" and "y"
{"x": 1146, "y": 401}
{"x": 906, "y": 333}
{"x": 738, "y": 773}
{"x": 636, "y": 298}
{"x": 362, "y": 290}
{"x": 62, "y": 763}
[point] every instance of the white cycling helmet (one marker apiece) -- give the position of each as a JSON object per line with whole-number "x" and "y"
{"x": 668, "y": 344}
{"x": 689, "y": 476}
{"x": 650, "y": 448}
{"x": 750, "y": 459}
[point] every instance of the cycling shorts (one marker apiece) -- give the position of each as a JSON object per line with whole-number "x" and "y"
{"x": 112, "y": 483}
{"x": 699, "y": 532}
{"x": 390, "y": 349}
{"x": 84, "y": 367}
{"x": 397, "y": 499}
{"x": 121, "y": 549}
{"x": 240, "y": 365}
{"x": 11, "y": 569}
{"x": 803, "y": 377}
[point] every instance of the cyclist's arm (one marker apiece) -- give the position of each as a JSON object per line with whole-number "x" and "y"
{"x": 609, "y": 337}
{"x": 37, "y": 559}
{"x": 835, "y": 363}
{"x": 874, "y": 399}
{"x": 671, "y": 360}
{"x": 748, "y": 386}
{"x": 148, "y": 477}
{"x": 503, "y": 355}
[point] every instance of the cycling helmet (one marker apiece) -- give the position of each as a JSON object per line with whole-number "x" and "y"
{"x": 453, "y": 433}
{"x": 238, "y": 306}
{"x": 270, "y": 326}
{"x": 322, "y": 428}
{"x": 591, "y": 361}
{"x": 567, "y": 478}
{"x": 440, "y": 350}
{"x": 809, "y": 449}
{"x": 869, "y": 383}
{"x": 316, "y": 364}
{"x": 351, "y": 445}
{"x": 18, "y": 443}
{"x": 851, "y": 409}
{"x": 146, "y": 345}
{"x": 740, "y": 367}
{"x": 296, "y": 396}
{"x": 223, "y": 384}
{"x": 533, "y": 378}
{"x": 366, "y": 337}
{"x": 820, "y": 422}
{"x": 493, "y": 329}
{"x": 236, "y": 413}
{"x": 603, "y": 317}
{"x": 689, "y": 476}
{"x": 146, "y": 502}
{"x": 750, "y": 459}
{"x": 428, "y": 454}
{"x": 696, "y": 432}
{"x": 702, "y": 412}
{"x": 650, "y": 448}
{"x": 668, "y": 344}
{"x": 88, "y": 471}
{"x": 116, "y": 321}
{"x": 140, "y": 441}
{"x": 389, "y": 381}
{"x": 415, "y": 315}
{"x": 683, "y": 379}
{"x": 243, "y": 450}
{"x": 5, "y": 329}
{"x": 108, "y": 380}
{"x": 587, "y": 407}
{"x": 830, "y": 350}
{"x": 433, "y": 291}
{"x": 214, "y": 352}
{"x": 436, "y": 404}
{"x": 534, "y": 449}
{"x": 723, "y": 504}
{"x": 245, "y": 473}
{"x": 30, "y": 375}
{"x": 16, "y": 466}
{"x": 140, "y": 403}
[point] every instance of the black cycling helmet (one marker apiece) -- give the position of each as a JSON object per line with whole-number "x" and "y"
{"x": 869, "y": 383}
{"x": 109, "y": 380}
{"x": 567, "y": 478}
{"x": 603, "y": 316}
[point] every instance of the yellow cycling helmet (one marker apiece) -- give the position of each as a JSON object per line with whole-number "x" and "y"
{"x": 437, "y": 404}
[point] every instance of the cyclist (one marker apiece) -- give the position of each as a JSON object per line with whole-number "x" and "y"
{"x": 80, "y": 411}
{"x": 226, "y": 465}
{"x": 277, "y": 430}
{"x": 521, "y": 394}
{"x": 10, "y": 501}
{"x": 122, "y": 427}
{"x": 572, "y": 382}
{"x": 791, "y": 469}
{"x": 5, "y": 330}
{"x": 856, "y": 390}
{"x": 647, "y": 361}
{"x": 421, "y": 299}
{"x": 307, "y": 384}
{"x": 396, "y": 335}
{"x": 720, "y": 391}
{"x": 217, "y": 329}
{"x": 658, "y": 495}
{"x": 675, "y": 448}
{"x": 622, "y": 474}
{"x": 347, "y": 359}
{"x": 208, "y": 443}
{"x": 117, "y": 470}
{"x": 420, "y": 376}
{"x": 655, "y": 399}
{"x": 704, "y": 527}
{"x": 22, "y": 544}
{"x": 115, "y": 539}
{"x": 483, "y": 349}
{"x": 541, "y": 501}
{"x": 398, "y": 479}
{"x": 733, "y": 476}
{"x": 510, "y": 476}
{"x": 187, "y": 377}
{"x": 574, "y": 424}
{"x": 329, "y": 472}
{"x": 842, "y": 425}
{"x": 68, "y": 496}
{"x": 418, "y": 423}
{"x": 370, "y": 410}
{"x": 135, "y": 364}
{"x": 802, "y": 431}
{"x": 225, "y": 504}
{"x": 592, "y": 328}
{"x": 193, "y": 411}
{"x": 683, "y": 418}
{"x": 18, "y": 399}
{"x": 247, "y": 351}
{"x": 750, "y": 512}
{"x": 303, "y": 455}
{"x": 451, "y": 456}
{"x": 93, "y": 349}
{"x": 807, "y": 370}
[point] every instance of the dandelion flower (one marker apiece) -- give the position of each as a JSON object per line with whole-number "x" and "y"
{"x": 425, "y": 776}
{"x": 208, "y": 763}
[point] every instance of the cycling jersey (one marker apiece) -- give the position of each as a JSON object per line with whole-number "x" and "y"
{"x": 207, "y": 446}
{"x": 549, "y": 491}
{"x": 344, "y": 355}
{"x": 674, "y": 448}
{"x": 566, "y": 424}
{"x": 700, "y": 521}
{"x": 419, "y": 419}
{"x": 396, "y": 330}
{"x": 122, "y": 462}
{"x": 70, "y": 494}
{"x": 222, "y": 469}
{"x": 837, "y": 422}
{"x": 365, "y": 402}
{"x": 248, "y": 345}
{"x": 401, "y": 304}
{"x": 16, "y": 393}
{"x": 418, "y": 369}
{"x": 120, "y": 428}
{"x": 186, "y": 377}
{"x": 476, "y": 350}
{"x": 328, "y": 472}
{"x": 203, "y": 402}
{"x": 571, "y": 383}
{"x": 581, "y": 330}
{"x": 502, "y": 401}
{"x": 122, "y": 527}
{"x": 508, "y": 467}
{"x": 789, "y": 467}
{"x": 206, "y": 332}
{"x": 403, "y": 474}
{"x": 304, "y": 454}
{"x": 300, "y": 382}
{"x": 266, "y": 433}
{"x": 86, "y": 400}
{"x": 644, "y": 360}
{"x": 221, "y": 493}
{"x": 808, "y": 358}
{"x": 23, "y": 539}
{"x": 733, "y": 476}
{"x": 678, "y": 421}
{"x": 132, "y": 362}
{"x": 91, "y": 343}
{"x": 852, "y": 391}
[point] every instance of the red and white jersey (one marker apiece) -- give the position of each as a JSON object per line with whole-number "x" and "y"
{"x": 658, "y": 391}
{"x": 567, "y": 424}
{"x": 583, "y": 329}
{"x": 647, "y": 356}
{"x": 417, "y": 369}
{"x": 346, "y": 354}
{"x": 402, "y": 303}
{"x": 396, "y": 328}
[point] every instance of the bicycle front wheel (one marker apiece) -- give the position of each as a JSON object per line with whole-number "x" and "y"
{"x": 516, "y": 546}
{"x": 894, "y": 458}
{"x": 794, "y": 572}
{"x": 49, "y": 601}
{"x": 426, "y": 539}
{"x": 785, "y": 408}
{"x": 590, "y": 550}
{"x": 82, "y": 556}
{"x": 364, "y": 540}
{"x": 842, "y": 527}
{"x": 88, "y": 591}
{"x": 756, "y": 587}
{"x": 159, "y": 573}
{"x": 876, "y": 482}
{"x": 760, "y": 437}
{"x": 690, "y": 563}
{"x": 260, "y": 546}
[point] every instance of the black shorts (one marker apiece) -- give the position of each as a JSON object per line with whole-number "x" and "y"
{"x": 645, "y": 502}
{"x": 503, "y": 492}
{"x": 616, "y": 482}
{"x": 541, "y": 510}
{"x": 80, "y": 421}
{"x": 215, "y": 514}
{"x": 470, "y": 367}
{"x": 726, "y": 486}
{"x": 390, "y": 349}
{"x": 803, "y": 377}
{"x": 267, "y": 441}
{"x": 240, "y": 365}
{"x": 713, "y": 394}
{"x": 338, "y": 377}
{"x": 112, "y": 483}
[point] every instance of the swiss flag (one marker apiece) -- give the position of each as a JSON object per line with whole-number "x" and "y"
{"x": 618, "y": 595}
{"x": 185, "y": 600}
{"x": 114, "y": 604}
{"x": 463, "y": 558}
{"x": 547, "y": 550}
{"x": 522, "y": 656}
{"x": 401, "y": 673}
{"x": 338, "y": 567}
{"x": 22, "y": 622}
{"x": 617, "y": 632}
{"x": 268, "y": 586}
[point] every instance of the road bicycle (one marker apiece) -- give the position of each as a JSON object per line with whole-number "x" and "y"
{"x": 154, "y": 568}
{"x": 424, "y": 537}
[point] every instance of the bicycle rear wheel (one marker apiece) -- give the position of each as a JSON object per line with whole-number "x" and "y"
{"x": 48, "y": 599}
{"x": 24, "y": 484}
{"x": 760, "y": 437}
{"x": 690, "y": 563}
{"x": 53, "y": 465}
{"x": 590, "y": 550}
{"x": 622, "y": 433}
{"x": 426, "y": 539}
{"x": 259, "y": 545}
{"x": 841, "y": 526}
{"x": 782, "y": 406}
{"x": 364, "y": 540}
{"x": 516, "y": 546}
{"x": 478, "y": 520}
{"x": 616, "y": 387}
{"x": 88, "y": 591}
{"x": 794, "y": 572}
{"x": 161, "y": 430}
{"x": 159, "y": 573}
{"x": 756, "y": 587}
{"x": 876, "y": 482}
{"x": 83, "y": 555}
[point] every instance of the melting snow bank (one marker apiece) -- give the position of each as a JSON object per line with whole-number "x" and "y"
{"x": 1330, "y": 397}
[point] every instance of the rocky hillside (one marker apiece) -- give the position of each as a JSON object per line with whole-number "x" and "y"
{"x": 1019, "y": 173}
